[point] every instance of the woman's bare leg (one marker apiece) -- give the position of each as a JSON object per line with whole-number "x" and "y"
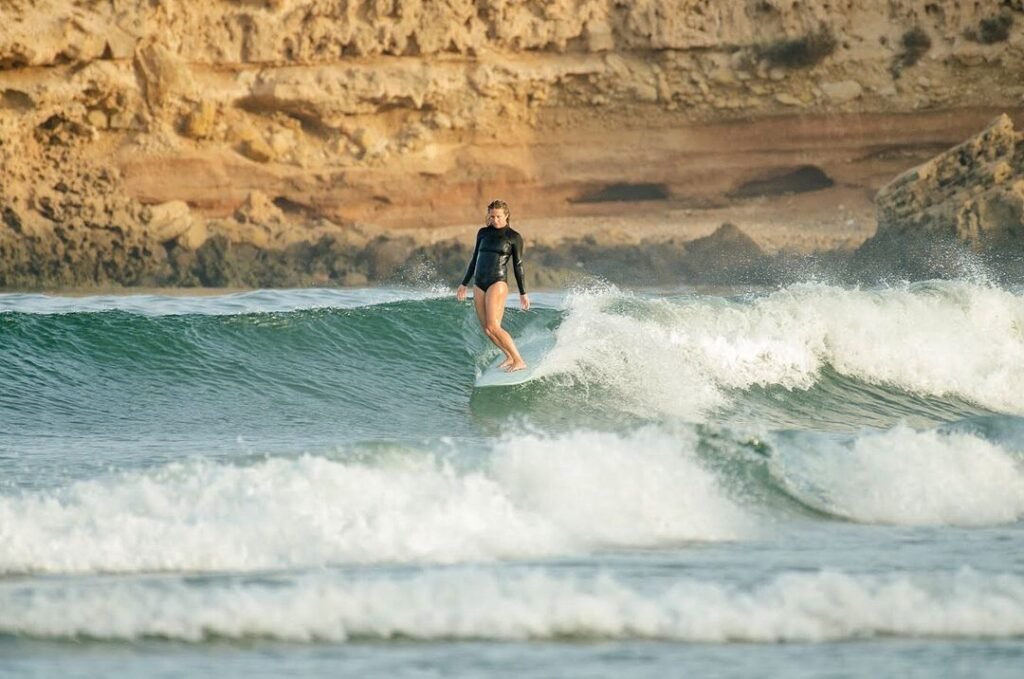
{"x": 479, "y": 303}
{"x": 494, "y": 311}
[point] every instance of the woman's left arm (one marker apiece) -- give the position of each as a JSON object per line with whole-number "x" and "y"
{"x": 517, "y": 267}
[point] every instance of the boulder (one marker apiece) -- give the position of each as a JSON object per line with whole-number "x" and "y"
{"x": 258, "y": 150}
{"x": 973, "y": 192}
{"x": 788, "y": 99}
{"x": 163, "y": 74}
{"x": 259, "y": 209}
{"x": 194, "y": 237}
{"x": 201, "y": 122}
{"x": 723, "y": 255}
{"x": 169, "y": 220}
{"x": 843, "y": 91}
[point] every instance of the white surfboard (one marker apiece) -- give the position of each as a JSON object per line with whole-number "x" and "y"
{"x": 532, "y": 349}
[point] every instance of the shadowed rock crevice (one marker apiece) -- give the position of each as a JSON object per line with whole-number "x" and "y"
{"x": 914, "y": 44}
{"x": 17, "y": 100}
{"x": 294, "y": 207}
{"x": 801, "y": 52}
{"x": 799, "y": 180}
{"x": 624, "y": 192}
{"x": 991, "y": 30}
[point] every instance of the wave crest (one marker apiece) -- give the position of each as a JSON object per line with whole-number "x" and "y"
{"x": 688, "y": 356}
{"x": 537, "y": 605}
{"x": 532, "y": 496}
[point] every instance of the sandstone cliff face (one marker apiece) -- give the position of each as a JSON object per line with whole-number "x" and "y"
{"x": 150, "y": 128}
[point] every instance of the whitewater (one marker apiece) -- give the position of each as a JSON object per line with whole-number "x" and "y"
{"x": 791, "y": 482}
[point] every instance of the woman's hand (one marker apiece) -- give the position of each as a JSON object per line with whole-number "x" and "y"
{"x": 524, "y": 302}
{"x": 460, "y": 293}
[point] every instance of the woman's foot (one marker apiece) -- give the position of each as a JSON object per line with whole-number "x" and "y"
{"x": 506, "y": 363}
{"x": 516, "y": 365}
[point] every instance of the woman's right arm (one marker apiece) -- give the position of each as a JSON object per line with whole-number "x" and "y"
{"x": 461, "y": 292}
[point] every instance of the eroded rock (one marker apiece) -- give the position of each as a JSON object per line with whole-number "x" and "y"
{"x": 958, "y": 214}
{"x": 170, "y": 220}
{"x": 974, "y": 192}
{"x": 843, "y": 91}
{"x": 110, "y": 110}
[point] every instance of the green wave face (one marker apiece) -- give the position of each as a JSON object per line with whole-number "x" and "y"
{"x": 126, "y": 385}
{"x": 402, "y": 369}
{"x": 806, "y": 357}
{"x": 810, "y": 404}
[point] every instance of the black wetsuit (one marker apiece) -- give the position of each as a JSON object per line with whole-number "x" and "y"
{"x": 491, "y": 254}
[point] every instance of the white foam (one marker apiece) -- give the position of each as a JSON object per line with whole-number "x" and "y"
{"x": 534, "y": 496}
{"x": 681, "y": 357}
{"x": 537, "y": 604}
{"x": 639, "y": 357}
{"x": 905, "y": 477}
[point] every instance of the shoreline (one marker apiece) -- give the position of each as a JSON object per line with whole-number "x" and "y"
{"x": 559, "y": 248}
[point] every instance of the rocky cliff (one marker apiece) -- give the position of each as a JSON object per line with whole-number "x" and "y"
{"x": 166, "y": 142}
{"x": 964, "y": 206}
{"x": 973, "y": 193}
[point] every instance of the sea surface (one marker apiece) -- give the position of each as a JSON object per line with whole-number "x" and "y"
{"x": 807, "y": 481}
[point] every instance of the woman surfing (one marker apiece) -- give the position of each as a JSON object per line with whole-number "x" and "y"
{"x": 496, "y": 243}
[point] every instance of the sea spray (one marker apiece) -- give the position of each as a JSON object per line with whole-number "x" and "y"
{"x": 689, "y": 355}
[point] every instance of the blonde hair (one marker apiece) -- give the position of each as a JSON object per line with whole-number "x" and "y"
{"x": 500, "y": 205}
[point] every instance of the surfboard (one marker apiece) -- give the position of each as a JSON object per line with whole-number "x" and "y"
{"x": 532, "y": 349}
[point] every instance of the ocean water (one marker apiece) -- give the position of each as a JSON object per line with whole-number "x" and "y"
{"x": 807, "y": 481}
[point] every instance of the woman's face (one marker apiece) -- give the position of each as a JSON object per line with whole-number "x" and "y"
{"x": 497, "y": 218}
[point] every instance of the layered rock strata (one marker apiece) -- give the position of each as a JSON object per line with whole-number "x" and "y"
{"x": 157, "y": 143}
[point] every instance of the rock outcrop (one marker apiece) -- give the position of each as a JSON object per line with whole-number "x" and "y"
{"x": 974, "y": 192}
{"x": 962, "y": 208}
{"x": 161, "y": 129}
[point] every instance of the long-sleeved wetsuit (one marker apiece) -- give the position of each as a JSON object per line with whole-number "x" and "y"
{"x": 493, "y": 249}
